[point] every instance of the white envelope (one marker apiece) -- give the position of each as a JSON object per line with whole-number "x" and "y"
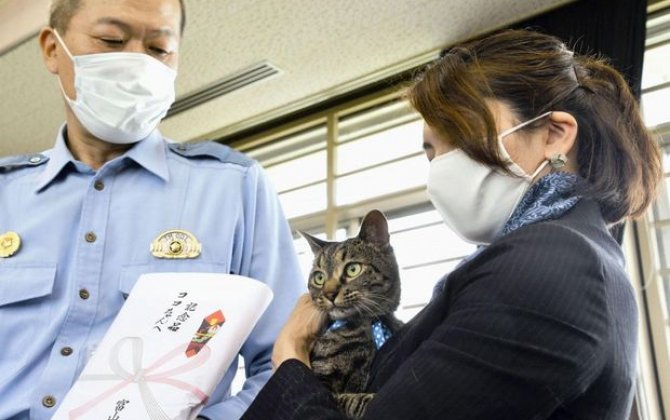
{"x": 168, "y": 348}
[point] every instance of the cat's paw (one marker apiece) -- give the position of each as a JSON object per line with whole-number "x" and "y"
{"x": 353, "y": 405}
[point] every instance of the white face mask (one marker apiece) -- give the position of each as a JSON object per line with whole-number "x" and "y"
{"x": 121, "y": 97}
{"x": 473, "y": 199}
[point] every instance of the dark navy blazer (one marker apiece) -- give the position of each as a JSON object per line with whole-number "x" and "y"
{"x": 540, "y": 325}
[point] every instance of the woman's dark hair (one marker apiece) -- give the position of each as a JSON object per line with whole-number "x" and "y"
{"x": 534, "y": 73}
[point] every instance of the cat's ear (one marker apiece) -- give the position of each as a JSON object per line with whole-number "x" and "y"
{"x": 315, "y": 243}
{"x": 375, "y": 229}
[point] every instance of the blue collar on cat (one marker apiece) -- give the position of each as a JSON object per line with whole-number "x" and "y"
{"x": 380, "y": 332}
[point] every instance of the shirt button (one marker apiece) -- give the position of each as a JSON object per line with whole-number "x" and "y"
{"x": 99, "y": 185}
{"x": 90, "y": 237}
{"x": 66, "y": 351}
{"x": 49, "y": 401}
{"x": 84, "y": 294}
{"x": 35, "y": 159}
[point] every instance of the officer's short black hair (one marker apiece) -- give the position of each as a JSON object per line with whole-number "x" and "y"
{"x": 61, "y": 13}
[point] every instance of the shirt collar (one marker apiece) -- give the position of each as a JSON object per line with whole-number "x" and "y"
{"x": 59, "y": 156}
{"x": 150, "y": 153}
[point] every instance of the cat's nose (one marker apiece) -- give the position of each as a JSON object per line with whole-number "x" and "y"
{"x": 330, "y": 290}
{"x": 330, "y": 295}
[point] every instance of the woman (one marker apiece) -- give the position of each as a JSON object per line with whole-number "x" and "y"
{"x": 534, "y": 153}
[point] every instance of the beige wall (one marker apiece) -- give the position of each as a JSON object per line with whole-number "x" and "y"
{"x": 21, "y": 19}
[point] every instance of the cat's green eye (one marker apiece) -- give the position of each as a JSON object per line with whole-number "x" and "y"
{"x": 353, "y": 269}
{"x": 318, "y": 278}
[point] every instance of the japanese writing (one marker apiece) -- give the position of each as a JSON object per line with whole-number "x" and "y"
{"x": 120, "y": 405}
{"x": 181, "y": 315}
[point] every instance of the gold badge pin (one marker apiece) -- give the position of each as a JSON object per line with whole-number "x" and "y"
{"x": 176, "y": 244}
{"x": 10, "y": 242}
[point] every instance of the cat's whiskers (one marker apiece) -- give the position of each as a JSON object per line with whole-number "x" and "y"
{"x": 379, "y": 297}
{"x": 351, "y": 296}
{"x": 370, "y": 307}
{"x": 371, "y": 313}
{"x": 391, "y": 302}
{"x": 373, "y": 303}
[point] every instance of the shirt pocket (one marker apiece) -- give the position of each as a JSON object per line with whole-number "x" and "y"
{"x": 130, "y": 274}
{"x": 19, "y": 284}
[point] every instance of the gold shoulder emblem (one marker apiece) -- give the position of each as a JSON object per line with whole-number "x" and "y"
{"x": 10, "y": 242}
{"x": 176, "y": 243}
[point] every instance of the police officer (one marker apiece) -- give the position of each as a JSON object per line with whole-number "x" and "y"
{"x": 80, "y": 222}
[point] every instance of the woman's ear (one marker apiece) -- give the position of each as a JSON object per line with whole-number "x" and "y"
{"x": 48, "y": 44}
{"x": 562, "y": 135}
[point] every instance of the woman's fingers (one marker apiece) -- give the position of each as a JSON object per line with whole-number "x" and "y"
{"x": 297, "y": 337}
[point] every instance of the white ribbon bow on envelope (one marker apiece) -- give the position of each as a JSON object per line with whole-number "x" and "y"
{"x": 142, "y": 376}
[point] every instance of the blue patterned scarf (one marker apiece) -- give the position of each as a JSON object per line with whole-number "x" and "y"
{"x": 549, "y": 198}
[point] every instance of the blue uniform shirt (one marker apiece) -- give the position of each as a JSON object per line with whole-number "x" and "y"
{"x": 85, "y": 240}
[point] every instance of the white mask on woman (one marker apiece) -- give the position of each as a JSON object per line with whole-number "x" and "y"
{"x": 121, "y": 97}
{"x": 473, "y": 199}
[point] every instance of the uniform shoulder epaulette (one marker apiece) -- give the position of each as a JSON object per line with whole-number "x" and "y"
{"x": 16, "y": 162}
{"x": 211, "y": 150}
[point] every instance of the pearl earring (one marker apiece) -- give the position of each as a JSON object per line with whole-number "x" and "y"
{"x": 557, "y": 160}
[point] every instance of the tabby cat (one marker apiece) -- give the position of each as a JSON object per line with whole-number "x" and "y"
{"x": 356, "y": 284}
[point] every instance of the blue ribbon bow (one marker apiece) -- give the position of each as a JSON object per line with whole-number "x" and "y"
{"x": 380, "y": 332}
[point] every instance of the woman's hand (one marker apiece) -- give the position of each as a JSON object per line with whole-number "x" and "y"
{"x": 296, "y": 339}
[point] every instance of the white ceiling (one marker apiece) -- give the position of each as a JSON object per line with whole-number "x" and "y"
{"x": 323, "y": 48}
